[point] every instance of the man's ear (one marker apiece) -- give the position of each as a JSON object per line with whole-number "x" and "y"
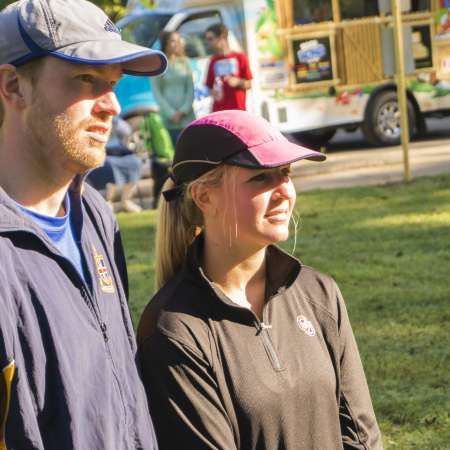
{"x": 11, "y": 87}
{"x": 201, "y": 195}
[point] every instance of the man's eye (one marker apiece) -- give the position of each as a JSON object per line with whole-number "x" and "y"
{"x": 86, "y": 78}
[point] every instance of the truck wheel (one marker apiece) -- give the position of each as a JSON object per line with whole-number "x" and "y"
{"x": 381, "y": 126}
{"x": 315, "y": 138}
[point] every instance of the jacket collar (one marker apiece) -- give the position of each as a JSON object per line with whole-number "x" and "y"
{"x": 282, "y": 270}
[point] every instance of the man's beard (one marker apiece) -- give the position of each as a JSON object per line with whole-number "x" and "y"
{"x": 59, "y": 140}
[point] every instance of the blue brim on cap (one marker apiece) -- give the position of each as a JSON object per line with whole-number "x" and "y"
{"x": 135, "y": 59}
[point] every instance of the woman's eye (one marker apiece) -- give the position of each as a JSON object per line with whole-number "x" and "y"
{"x": 260, "y": 178}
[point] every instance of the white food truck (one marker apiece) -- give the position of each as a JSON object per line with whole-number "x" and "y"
{"x": 318, "y": 65}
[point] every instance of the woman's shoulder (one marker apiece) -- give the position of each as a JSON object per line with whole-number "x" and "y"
{"x": 175, "y": 311}
{"x": 184, "y": 60}
{"x": 320, "y": 289}
{"x": 183, "y": 64}
{"x": 314, "y": 276}
{"x": 307, "y": 283}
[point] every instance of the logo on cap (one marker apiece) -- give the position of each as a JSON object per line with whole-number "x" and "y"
{"x": 306, "y": 326}
{"x": 111, "y": 27}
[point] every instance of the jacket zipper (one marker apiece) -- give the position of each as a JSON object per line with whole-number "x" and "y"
{"x": 104, "y": 330}
{"x": 263, "y": 330}
{"x": 93, "y": 307}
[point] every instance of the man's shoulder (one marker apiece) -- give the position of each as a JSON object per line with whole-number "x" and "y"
{"x": 238, "y": 55}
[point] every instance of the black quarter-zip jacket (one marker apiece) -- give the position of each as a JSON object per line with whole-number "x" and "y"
{"x": 219, "y": 378}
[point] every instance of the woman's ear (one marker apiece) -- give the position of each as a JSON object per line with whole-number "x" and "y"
{"x": 11, "y": 87}
{"x": 204, "y": 200}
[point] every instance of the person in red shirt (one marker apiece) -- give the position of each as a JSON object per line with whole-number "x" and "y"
{"x": 229, "y": 74}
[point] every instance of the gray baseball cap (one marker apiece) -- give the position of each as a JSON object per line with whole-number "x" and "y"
{"x": 72, "y": 30}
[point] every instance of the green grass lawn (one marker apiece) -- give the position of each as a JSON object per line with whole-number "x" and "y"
{"x": 389, "y": 250}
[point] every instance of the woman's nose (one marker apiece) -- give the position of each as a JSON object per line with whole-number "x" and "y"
{"x": 285, "y": 188}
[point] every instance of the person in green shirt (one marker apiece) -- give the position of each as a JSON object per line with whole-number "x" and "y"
{"x": 174, "y": 91}
{"x": 159, "y": 143}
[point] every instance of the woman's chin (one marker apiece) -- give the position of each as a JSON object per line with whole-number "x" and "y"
{"x": 280, "y": 234}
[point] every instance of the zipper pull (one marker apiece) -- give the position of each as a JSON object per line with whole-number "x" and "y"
{"x": 104, "y": 329}
{"x": 261, "y": 326}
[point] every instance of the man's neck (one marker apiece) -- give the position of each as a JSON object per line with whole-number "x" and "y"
{"x": 224, "y": 51}
{"x": 36, "y": 190}
{"x": 49, "y": 202}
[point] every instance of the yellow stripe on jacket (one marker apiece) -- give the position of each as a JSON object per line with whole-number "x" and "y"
{"x": 6, "y": 378}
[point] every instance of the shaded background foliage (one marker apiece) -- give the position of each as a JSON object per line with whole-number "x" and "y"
{"x": 115, "y": 9}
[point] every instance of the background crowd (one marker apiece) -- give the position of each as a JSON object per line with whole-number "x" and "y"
{"x": 228, "y": 78}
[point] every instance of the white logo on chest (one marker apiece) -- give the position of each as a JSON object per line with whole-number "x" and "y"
{"x": 305, "y": 325}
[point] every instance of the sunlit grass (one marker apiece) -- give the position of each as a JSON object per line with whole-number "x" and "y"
{"x": 389, "y": 250}
{"x": 396, "y": 220}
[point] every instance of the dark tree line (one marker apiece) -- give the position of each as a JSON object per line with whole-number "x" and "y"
{"x": 113, "y": 8}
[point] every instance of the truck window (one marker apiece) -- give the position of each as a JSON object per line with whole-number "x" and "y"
{"x": 143, "y": 30}
{"x": 310, "y": 11}
{"x": 408, "y": 6}
{"x": 193, "y": 31}
{"x": 420, "y": 5}
{"x": 354, "y": 9}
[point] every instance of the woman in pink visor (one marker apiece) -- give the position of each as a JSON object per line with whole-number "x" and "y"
{"x": 245, "y": 347}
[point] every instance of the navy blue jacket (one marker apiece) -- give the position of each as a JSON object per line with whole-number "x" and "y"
{"x": 76, "y": 384}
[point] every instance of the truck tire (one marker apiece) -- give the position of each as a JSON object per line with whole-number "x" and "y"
{"x": 381, "y": 126}
{"x": 314, "y": 139}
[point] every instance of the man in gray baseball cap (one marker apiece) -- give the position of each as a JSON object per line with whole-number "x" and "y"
{"x": 68, "y": 374}
{"x": 71, "y": 30}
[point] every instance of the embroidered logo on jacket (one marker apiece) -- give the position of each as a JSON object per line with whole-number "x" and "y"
{"x": 305, "y": 325}
{"x": 104, "y": 278}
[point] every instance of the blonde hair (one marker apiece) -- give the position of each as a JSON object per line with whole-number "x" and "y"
{"x": 180, "y": 221}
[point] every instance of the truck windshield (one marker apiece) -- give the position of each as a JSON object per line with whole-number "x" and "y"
{"x": 144, "y": 29}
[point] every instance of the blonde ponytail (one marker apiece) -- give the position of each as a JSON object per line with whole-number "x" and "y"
{"x": 179, "y": 222}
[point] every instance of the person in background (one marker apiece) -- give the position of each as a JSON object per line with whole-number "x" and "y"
{"x": 174, "y": 91}
{"x": 68, "y": 372}
{"x": 229, "y": 75}
{"x": 159, "y": 143}
{"x": 122, "y": 168}
{"x": 244, "y": 346}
